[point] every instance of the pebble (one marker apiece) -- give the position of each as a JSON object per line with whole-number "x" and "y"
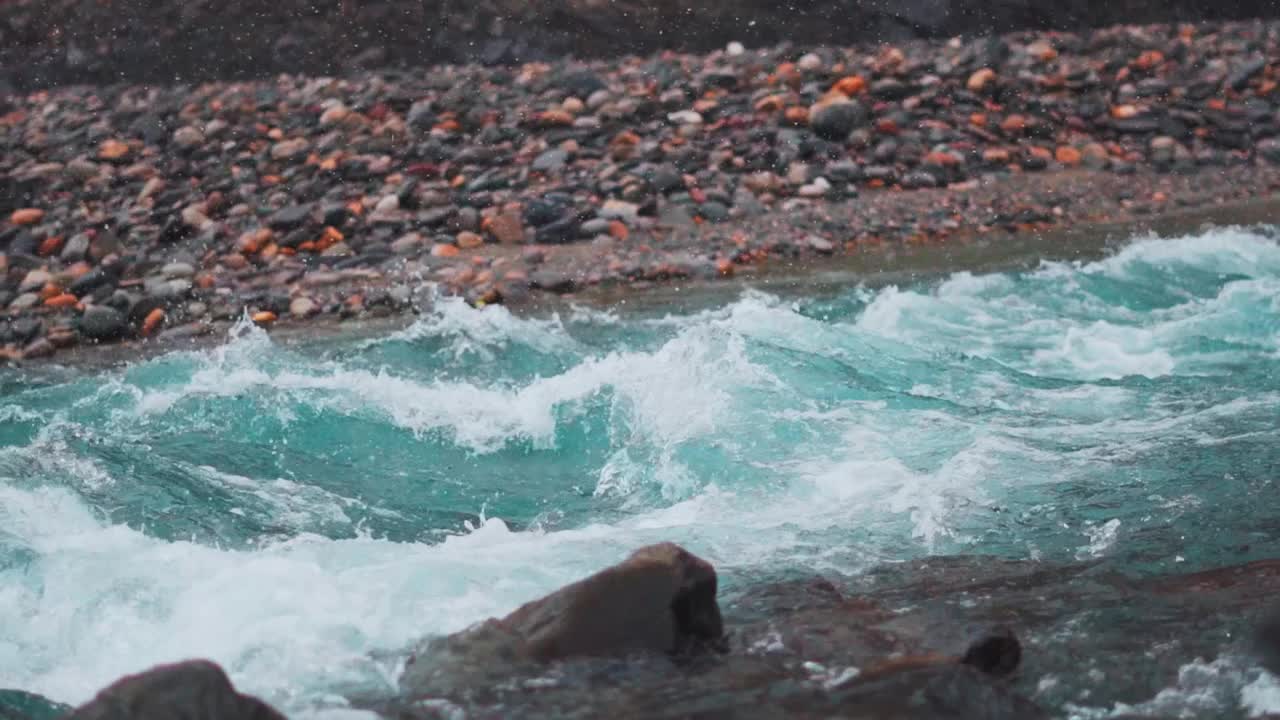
{"x": 639, "y": 159}
{"x": 26, "y": 216}
{"x": 835, "y": 120}
{"x": 82, "y": 169}
{"x": 468, "y": 240}
{"x": 685, "y": 117}
{"x": 290, "y": 217}
{"x": 151, "y": 322}
{"x": 76, "y": 248}
{"x": 388, "y": 203}
{"x": 619, "y": 210}
{"x": 507, "y": 228}
{"x": 178, "y": 270}
{"x": 34, "y": 280}
{"x": 820, "y": 244}
{"x": 818, "y": 188}
{"x": 334, "y": 114}
{"x": 102, "y": 323}
{"x": 188, "y": 137}
{"x": 407, "y": 244}
{"x": 286, "y": 149}
{"x": 303, "y": 307}
{"x": 550, "y": 161}
{"x": 981, "y": 80}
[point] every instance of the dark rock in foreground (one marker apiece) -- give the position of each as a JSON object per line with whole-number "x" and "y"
{"x": 194, "y": 690}
{"x": 661, "y": 599}
{"x": 619, "y": 642}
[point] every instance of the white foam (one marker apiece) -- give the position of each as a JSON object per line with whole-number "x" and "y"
{"x": 1103, "y": 350}
{"x": 1219, "y": 688}
{"x": 294, "y": 620}
{"x": 1262, "y": 696}
{"x": 483, "y": 331}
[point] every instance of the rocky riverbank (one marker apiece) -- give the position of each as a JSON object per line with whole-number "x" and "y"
{"x": 53, "y": 42}
{"x": 937, "y": 638}
{"x": 139, "y": 212}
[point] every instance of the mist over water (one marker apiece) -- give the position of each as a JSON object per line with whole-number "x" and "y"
{"x": 299, "y": 514}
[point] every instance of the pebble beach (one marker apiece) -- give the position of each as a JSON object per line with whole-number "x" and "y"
{"x": 130, "y": 213}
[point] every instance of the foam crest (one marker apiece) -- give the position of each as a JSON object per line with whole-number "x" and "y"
{"x": 1227, "y": 251}
{"x": 675, "y": 392}
{"x": 766, "y": 435}
{"x": 1219, "y": 287}
{"x": 482, "y": 331}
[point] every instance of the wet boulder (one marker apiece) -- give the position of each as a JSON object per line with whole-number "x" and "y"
{"x": 661, "y": 599}
{"x": 192, "y": 690}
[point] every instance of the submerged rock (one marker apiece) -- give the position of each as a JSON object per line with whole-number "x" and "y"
{"x": 192, "y": 690}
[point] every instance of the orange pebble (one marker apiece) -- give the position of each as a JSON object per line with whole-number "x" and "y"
{"x": 1068, "y": 156}
{"x": 265, "y": 317}
{"x": 65, "y": 300}
{"x": 1149, "y": 60}
{"x": 555, "y": 118}
{"x": 850, "y": 86}
{"x": 26, "y": 216}
{"x": 152, "y": 321}
{"x": 444, "y": 250}
{"x": 112, "y": 150}
{"x": 49, "y": 246}
{"x": 1124, "y": 112}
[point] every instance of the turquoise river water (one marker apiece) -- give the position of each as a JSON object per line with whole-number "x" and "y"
{"x": 289, "y": 511}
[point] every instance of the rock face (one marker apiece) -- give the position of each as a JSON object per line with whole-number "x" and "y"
{"x": 194, "y": 690}
{"x": 661, "y": 599}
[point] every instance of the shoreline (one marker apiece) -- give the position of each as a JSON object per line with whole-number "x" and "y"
{"x": 873, "y": 267}
{"x": 130, "y": 212}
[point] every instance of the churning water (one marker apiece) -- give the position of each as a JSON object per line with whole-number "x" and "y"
{"x": 298, "y": 513}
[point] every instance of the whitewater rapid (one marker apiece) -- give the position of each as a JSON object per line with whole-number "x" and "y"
{"x": 300, "y": 514}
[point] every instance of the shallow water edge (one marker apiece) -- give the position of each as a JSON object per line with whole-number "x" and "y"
{"x": 876, "y": 267}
